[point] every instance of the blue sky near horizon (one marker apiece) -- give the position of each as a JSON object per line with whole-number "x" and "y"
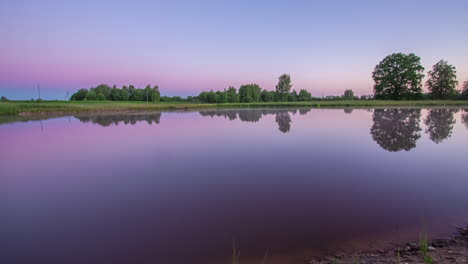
{"x": 189, "y": 46}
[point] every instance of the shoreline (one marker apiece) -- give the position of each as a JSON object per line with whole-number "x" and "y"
{"x": 451, "y": 249}
{"x": 26, "y": 108}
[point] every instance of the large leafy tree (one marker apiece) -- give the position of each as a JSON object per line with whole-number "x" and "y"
{"x": 398, "y": 76}
{"x": 464, "y": 94}
{"x": 442, "y": 81}
{"x": 283, "y": 87}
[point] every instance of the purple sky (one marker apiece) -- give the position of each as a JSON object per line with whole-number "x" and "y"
{"x": 189, "y": 46}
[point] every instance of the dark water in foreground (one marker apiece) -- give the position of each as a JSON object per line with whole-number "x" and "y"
{"x": 178, "y": 187}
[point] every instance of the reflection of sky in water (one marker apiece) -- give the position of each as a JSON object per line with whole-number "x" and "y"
{"x": 177, "y": 187}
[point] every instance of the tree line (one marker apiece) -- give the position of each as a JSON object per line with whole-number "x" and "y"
{"x": 397, "y": 77}
{"x": 104, "y": 92}
{"x": 251, "y": 93}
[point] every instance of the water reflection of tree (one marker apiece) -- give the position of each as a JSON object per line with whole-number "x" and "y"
{"x": 465, "y": 117}
{"x": 230, "y": 114}
{"x": 304, "y": 111}
{"x": 439, "y": 124}
{"x": 284, "y": 121}
{"x": 348, "y": 110}
{"x": 282, "y": 116}
{"x": 126, "y": 118}
{"x": 396, "y": 129}
{"x": 250, "y": 115}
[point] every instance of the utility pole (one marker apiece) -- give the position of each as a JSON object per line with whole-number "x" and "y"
{"x": 39, "y": 91}
{"x": 66, "y": 95}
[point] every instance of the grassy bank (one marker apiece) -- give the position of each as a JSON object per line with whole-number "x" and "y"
{"x": 27, "y": 107}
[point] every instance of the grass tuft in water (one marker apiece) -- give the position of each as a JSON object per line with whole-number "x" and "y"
{"x": 235, "y": 254}
{"x": 424, "y": 247}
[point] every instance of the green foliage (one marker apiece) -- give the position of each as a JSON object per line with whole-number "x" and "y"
{"x": 348, "y": 95}
{"x": 268, "y": 96}
{"x": 231, "y": 95}
{"x": 424, "y": 246}
{"x": 464, "y": 93}
{"x": 292, "y": 96}
{"x": 172, "y": 99}
{"x": 209, "y": 97}
{"x": 101, "y": 97}
{"x": 4, "y": 99}
{"x": 249, "y": 93}
{"x": 152, "y": 94}
{"x": 442, "y": 81}
{"x": 104, "y": 93}
{"x": 92, "y": 96}
{"x": 80, "y": 95}
{"x": 221, "y": 97}
{"x": 283, "y": 87}
{"x": 398, "y": 76}
{"x": 304, "y": 95}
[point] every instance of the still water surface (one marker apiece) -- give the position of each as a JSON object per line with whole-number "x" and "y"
{"x": 179, "y": 187}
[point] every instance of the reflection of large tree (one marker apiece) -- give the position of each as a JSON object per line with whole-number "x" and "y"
{"x": 465, "y": 117}
{"x": 396, "y": 129}
{"x": 303, "y": 111}
{"x": 439, "y": 124}
{"x": 284, "y": 121}
{"x": 127, "y": 118}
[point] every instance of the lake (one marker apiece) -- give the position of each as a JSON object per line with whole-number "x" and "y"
{"x": 183, "y": 186}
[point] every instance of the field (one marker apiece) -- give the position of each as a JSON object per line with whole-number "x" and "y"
{"x": 57, "y": 107}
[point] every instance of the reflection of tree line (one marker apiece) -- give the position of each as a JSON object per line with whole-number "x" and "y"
{"x": 125, "y": 118}
{"x": 282, "y": 116}
{"x": 392, "y": 129}
{"x": 399, "y": 129}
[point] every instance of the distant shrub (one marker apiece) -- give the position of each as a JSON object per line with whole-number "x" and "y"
{"x": 4, "y": 99}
